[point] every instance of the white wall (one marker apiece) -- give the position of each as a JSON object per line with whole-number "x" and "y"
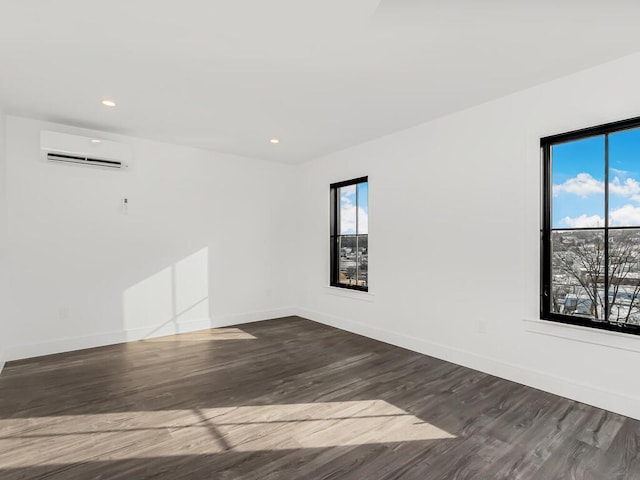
{"x": 3, "y": 238}
{"x": 454, "y": 240}
{"x": 202, "y": 245}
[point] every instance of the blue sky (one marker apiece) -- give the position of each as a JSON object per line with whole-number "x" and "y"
{"x": 578, "y": 181}
{"x": 348, "y": 209}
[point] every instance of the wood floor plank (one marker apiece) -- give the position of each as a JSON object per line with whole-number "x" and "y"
{"x": 292, "y": 399}
{"x": 601, "y": 429}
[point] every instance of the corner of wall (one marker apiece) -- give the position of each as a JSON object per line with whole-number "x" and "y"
{"x": 3, "y": 236}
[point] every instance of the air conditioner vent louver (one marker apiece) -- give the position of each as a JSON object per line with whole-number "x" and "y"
{"x": 74, "y": 149}
{"x": 57, "y": 157}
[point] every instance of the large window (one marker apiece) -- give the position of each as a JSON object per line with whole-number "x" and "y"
{"x": 591, "y": 227}
{"x": 349, "y": 232}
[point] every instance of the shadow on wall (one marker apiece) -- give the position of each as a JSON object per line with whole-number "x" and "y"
{"x": 174, "y": 300}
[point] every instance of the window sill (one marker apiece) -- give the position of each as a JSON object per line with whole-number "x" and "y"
{"x": 577, "y": 333}
{"x": 347, "y": 293}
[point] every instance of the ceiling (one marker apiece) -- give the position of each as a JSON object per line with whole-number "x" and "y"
{"x": 321, "y": 75}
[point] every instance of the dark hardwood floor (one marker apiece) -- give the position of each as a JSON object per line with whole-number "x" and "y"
{"x": 292, "y": 399}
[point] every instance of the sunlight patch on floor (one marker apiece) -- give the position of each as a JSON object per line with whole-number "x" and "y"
{"x": 201, "y": 431}
{"x": 216, "y": 334}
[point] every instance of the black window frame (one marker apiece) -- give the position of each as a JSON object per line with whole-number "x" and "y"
{"x": 334, "y": 233}
{"x": 546, "y": 144}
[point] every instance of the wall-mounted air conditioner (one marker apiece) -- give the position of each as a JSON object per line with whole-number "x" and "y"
{"x": 64, "y": 148}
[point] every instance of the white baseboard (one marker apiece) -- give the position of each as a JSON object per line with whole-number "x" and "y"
{"x": 589, "y": 394}
{"x": 99, "y": 340}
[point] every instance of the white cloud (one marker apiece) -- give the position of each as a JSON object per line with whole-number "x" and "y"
{"x": 617, "y": 171}
{"x": 348, "y": 193}
{"x": 628, "y": 188}
{"x": 583, "y": 221}
{"x": 348, "y": 219}
{"x": 625, "y": 216}
{"x": 582, "y": 185}
{"x": 348, "y": 216}
{"x": 363, "y": 221}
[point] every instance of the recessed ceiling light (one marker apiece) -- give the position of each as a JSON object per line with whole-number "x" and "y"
{"x": 108, "y": 103}
{"x": 95, "y": 140}
{"x": 274, "y": 140}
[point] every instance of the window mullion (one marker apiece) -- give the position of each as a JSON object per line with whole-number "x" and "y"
{"x": 357, "y": 237}
{"x": 606, "y": 228}
{"x": 546, "y": 231}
